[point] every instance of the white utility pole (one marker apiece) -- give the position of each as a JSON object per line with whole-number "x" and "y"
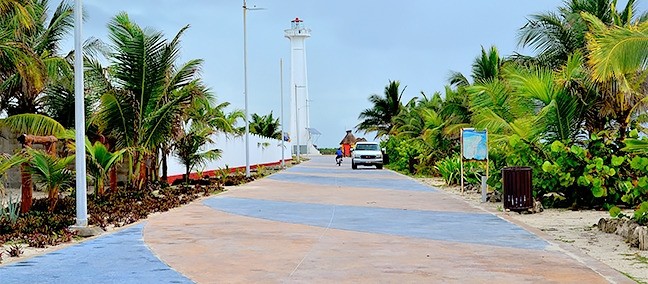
{"x": 283, "y": 146}
{"x": 79, "y": 120}
{"x": 245, "y": 91}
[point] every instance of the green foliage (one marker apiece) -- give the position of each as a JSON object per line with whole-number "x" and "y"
{"x": 379, "y": 117}
{"x": 450, "y": 170}
{"x": 327, "y": 151}
{"x": 187, "y": 147}
{"x": 615, "y": 211}
{"x": 33, "y": 124}
{"x": 51, "y": 172}
{"x": 641, "y": 214}
{"x": 403, "y": 154}
{"x": 100, "y": 162}
{"x": 265, "y": 125}
{"x": 586, "y": 173}
{"x": 11, "y": 212}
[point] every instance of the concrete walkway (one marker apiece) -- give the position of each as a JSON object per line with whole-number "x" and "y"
{"x": 319, "y": 223}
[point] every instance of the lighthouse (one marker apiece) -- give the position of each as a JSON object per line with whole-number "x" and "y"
{"x": 301, "y": 132}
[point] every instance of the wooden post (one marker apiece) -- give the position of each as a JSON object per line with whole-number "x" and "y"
{"x": 487, "y": 157}
{"x": 461, "y": 160}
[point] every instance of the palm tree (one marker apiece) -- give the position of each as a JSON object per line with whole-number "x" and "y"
{"x": 616, "y": 51}
{"x": 265, "y": 125}
{"x": 618, "y": 60}
{"x": 188, "y": 147}
{"x": 143, "y": 94}
{"x": 201, "y": 111}
{"x": 527, "y": 103}
{"x": 555, "y": 36}
{"x": 51, "y": 172}
{"x": 485, "y": 67}
{"x": 34, "y": 124}
{"x": 42, "y": 41}
{"x": 557, "y": 111}
{"x": 100, "y": 162}
{"x": 378, "y": 118}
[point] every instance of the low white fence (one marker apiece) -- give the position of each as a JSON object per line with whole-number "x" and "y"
{"x": 263, "y": 151}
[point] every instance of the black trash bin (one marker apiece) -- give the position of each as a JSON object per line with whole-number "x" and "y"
{"x": 516, "y": 182}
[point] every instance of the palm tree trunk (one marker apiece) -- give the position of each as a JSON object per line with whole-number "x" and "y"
{"x": 53, "y": 198}
{"x": 27, "y": 189}
{"x": 187, "y": 174}
{"x": 100, "y": 186}
{"x": 165, "y": 167}
{"x": 142, "y": 170}
{"x": 155, "y": 173}
{"x": 623, "y": 126}
{"x": 112, "y": 173}
{"x": 113, "y": 179}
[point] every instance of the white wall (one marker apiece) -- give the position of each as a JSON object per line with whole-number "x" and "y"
{"x": 263, "y": 150}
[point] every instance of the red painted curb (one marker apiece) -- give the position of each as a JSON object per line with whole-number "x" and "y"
{"x": 212, "y": 173}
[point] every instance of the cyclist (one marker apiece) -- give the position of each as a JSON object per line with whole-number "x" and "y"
{"x": 338, "y": 156}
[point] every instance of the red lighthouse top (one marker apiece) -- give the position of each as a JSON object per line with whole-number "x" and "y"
{"x": 296, "y": 20}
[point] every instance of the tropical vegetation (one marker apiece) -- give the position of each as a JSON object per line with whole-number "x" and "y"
{"x": 574, "y": 110}
{"x": 265, "y": 125}
{"x": 143, "y": 105}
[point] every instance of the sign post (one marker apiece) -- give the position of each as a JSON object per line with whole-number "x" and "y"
{"x": 474, "y": 147}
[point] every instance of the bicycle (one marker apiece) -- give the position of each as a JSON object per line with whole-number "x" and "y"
{"x": 338, "y": 161}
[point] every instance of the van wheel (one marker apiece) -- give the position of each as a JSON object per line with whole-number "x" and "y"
{"x": 353, "y": 165}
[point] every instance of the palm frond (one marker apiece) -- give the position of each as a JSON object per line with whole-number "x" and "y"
{"x": 33, "y": 124}
{"x": 615, "y": 52}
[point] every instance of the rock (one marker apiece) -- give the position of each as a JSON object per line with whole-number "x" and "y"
{"x": 537, "y": 207}
{"x": 633, "y": 235}
{"x": 601, "y": 224}
{"x": 625, "y": 228}
{"x": 609, "y": 225}
{"x": 621, "y": 229}
{"x": 642, "y": 237}
{"x": 85, "y": 232}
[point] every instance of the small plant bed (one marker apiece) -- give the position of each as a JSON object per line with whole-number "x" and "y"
{"x": 131, "y": 205}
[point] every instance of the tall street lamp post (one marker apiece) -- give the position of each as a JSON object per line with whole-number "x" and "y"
{"x": 245, "y": 89}
{"x": 79, "y": 120}
{"x": 283, "y": 147}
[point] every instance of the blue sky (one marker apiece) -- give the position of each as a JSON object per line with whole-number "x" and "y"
{"x": 355, "y": 49}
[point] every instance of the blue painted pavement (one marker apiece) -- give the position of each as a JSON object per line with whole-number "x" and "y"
{"x": 346, "y": 170}
{"x": 121, "y": 257}
{"x": 485, "y": 229}
{"x": 384, "y": 183}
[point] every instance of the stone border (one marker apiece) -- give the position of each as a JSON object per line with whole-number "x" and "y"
{"x": 633, "y": 233}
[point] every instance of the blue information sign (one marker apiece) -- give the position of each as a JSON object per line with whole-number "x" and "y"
{"x": 474, "y": 144}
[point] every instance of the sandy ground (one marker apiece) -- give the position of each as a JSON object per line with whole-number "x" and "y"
{"x": 570, "y": 228}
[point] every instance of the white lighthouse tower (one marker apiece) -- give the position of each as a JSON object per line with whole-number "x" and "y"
{"x": 300, "y": 130}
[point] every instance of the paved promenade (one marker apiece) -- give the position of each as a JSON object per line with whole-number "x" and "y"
{"x": 319, "y": 223}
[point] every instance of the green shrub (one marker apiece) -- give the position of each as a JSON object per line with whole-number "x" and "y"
{"x": 449, "y": 169}
{"x": 327, "y": 151}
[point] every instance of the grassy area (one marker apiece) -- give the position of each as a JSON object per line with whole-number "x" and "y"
{"x": 327, "y": 151}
